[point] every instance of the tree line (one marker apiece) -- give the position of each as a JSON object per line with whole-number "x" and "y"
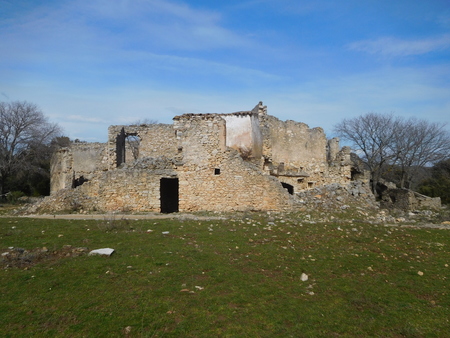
{"x": 395, "y": 148}
{"x": 27, "y": 140}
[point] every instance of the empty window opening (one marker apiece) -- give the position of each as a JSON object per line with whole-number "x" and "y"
{"x": 356, "y": 174}
{"x": 216, "y": 171}
{"x": 120, "y": 147}
{"x": 168, "y": 189}
{"x": 288, "y": 187}
{"x": 78, "y": 181}
{"x": 132, "y": 142}
{"x": 310, "y": 184}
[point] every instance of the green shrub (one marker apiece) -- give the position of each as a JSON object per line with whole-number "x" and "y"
{"x": 13, "y": 197}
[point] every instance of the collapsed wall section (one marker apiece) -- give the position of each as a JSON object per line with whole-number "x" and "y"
{"x": 294, "y": 153}
{"x": 293, "y": 143}
{"x": 129, "y": 143}
{"x": 74, "y": 165}
{"x": 128, "y": 189}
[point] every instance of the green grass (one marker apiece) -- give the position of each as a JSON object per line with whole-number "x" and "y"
{"x": 243, "y": 277}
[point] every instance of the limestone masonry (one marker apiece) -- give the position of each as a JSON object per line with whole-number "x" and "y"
{"x": 213, "y": 162}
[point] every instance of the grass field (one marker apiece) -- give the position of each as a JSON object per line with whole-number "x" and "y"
{"x": 244, "y": 276}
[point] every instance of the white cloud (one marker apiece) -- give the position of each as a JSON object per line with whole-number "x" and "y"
{"x": 392, "y": 47}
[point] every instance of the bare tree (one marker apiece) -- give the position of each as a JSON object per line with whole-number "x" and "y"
{"x": 143, "y": 122}
{"x": 385, "y": 141}
{"x": 419, "y": 143}
{"x": 24, "y": 130}
{"x": 371, "y": 136}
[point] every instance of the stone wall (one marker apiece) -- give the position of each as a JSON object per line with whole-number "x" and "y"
{"x": 200, "y": 138}
{"x": 214, "y": 177}
{"x": 76, "y": 164}
{"x": 231, "y": 184}
{"x": 131, "y": 188}
{"x": 243, "y": 134}
{"x": 153, "y": 140}
{"x": 408, "y": 200}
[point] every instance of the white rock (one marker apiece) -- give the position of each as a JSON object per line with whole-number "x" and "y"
{"x": 165, "y": 232}
{"x": 304, "y": 277}
{"x": 104, "y": 252}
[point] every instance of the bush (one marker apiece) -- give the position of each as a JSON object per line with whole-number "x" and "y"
{"x": 13, "y": 197}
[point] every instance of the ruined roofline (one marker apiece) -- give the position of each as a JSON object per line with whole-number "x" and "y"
{"x": 213, "y": 115}
{"x": 259, "y": 109}
{"x": 143, "y": 125}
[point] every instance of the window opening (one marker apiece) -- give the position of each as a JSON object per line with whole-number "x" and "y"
{"x": 132, "y": 142}
{"x": 79, "y": 181}
{"x": 288, "y": 187}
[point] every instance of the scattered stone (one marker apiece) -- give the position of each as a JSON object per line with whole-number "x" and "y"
{"x": 420, "y": 273}
{"x": 127, "y": 330}
{"x": 104, "y": 252}
{"x": 304, "y": 277}
{"x": 165, "y": 232}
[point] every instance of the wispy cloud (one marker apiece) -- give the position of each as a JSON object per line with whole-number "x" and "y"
{"x": 82, "y": 118}
{"x": 143, "y": 24}
{"x": 393, "y": 47}
{"x": 94, "y": 36}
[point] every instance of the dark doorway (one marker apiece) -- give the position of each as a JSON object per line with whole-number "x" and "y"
{"x": 168, "y": 190}
{"x": 288, "y": 187}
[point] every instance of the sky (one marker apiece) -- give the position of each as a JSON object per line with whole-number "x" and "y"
{"x": 89, "y": 64}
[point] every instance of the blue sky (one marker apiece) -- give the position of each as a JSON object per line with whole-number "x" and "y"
{"x": 92, "y": 63}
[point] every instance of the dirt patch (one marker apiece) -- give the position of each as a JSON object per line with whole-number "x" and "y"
{"x": 24, "y": 259}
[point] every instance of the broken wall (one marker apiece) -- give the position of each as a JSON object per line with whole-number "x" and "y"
{"x": 407, "y": 200}
{"x": 243, "y": 134}
{"x": 76, "y": 163}
{"x": 152, "y": 140}
{"x": 135, "y": 188}
{"x": 213, "y": 177}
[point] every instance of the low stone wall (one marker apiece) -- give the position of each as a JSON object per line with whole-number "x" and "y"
{"x": 408, "y": 200}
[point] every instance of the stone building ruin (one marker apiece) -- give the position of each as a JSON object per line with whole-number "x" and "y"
{"x": 246, "y": 160}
